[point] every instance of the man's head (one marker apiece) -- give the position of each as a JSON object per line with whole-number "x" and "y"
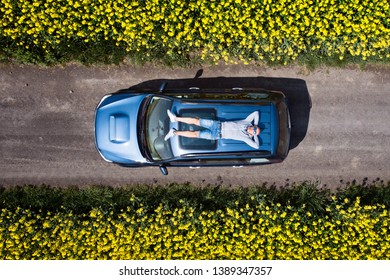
{"x": 254, "y": 130}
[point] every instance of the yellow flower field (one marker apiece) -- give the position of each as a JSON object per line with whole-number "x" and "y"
{"x": 347, "y": 230}
{"x": 227, "y": 30}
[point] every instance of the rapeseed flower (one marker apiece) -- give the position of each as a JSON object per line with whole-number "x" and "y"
{"x": 262, "y": 30}
{"x": 251, "y": 231}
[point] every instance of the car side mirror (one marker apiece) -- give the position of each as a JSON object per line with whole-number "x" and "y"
{"x": 164, "y": 170}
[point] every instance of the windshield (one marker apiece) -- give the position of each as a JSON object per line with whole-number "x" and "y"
{"x": 156, "y": 127}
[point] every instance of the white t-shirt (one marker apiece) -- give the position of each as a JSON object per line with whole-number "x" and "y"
{"x": 237, "y": 130}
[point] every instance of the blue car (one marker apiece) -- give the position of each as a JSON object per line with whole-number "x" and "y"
{"x": 132, "y": 127}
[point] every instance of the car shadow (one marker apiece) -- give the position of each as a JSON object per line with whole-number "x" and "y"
{"x": 295, "y": 90}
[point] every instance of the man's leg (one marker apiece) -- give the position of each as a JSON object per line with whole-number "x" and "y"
{"x": 210, "y": 133}
{"x": 186, "y": 133}
{"x": 188, "y": 120}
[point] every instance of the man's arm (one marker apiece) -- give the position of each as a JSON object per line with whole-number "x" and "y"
{"x": 253, "y": 144}
{"x": 253, "y": 117}
{"x": 256, "y": 137}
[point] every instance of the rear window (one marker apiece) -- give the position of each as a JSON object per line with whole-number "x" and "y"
{"x": 284, "y": 130}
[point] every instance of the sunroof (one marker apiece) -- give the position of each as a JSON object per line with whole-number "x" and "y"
{"x": 196, "y": 143}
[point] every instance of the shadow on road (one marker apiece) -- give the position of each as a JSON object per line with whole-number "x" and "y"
{"x": 294, "y": 89}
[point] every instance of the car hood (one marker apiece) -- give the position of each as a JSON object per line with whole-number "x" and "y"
{"x": 116, "y": 128}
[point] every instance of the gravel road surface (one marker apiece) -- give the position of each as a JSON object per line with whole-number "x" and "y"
{"x": 340, "y": 118}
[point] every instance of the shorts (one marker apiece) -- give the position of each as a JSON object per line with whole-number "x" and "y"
{"x": 212, "y": 129}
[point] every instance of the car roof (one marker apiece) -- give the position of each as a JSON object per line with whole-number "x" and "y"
{"x": 224, "y": 111}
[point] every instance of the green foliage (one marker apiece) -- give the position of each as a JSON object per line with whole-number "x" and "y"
{"x": 180, "y": 221}
{"x": 370, "y": 193}
{"x": 82, "y": 199}
{"x": 184, "y": 32}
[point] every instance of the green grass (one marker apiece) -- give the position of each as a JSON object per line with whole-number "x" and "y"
{"x": 83, "y": 199}
{"x": 108, "y": 53}
{"x": 73, "y": 51}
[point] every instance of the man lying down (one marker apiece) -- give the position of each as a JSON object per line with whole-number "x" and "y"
{"x": 246, "y": 130}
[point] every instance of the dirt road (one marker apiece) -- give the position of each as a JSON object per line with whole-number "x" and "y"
{"x": 340, "y": 120}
